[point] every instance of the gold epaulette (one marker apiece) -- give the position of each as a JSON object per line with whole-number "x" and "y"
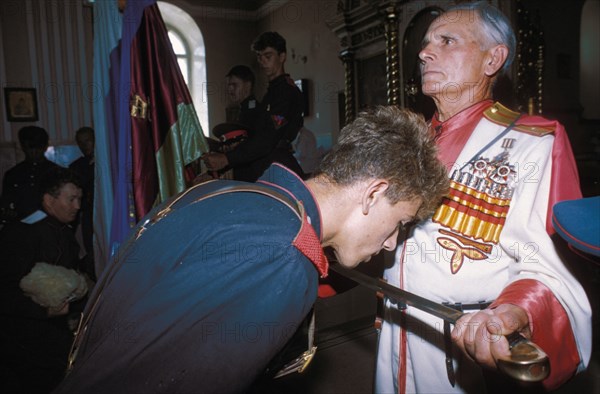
{"x": 501, "y": 115}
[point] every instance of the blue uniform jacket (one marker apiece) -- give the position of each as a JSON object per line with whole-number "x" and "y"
{"x": 205, "y": 297}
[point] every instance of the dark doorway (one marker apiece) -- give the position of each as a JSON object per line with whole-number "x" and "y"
{"x": 411, "y": 46}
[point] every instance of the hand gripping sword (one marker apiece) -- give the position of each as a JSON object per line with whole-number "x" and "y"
{"x": 527, "y": 361}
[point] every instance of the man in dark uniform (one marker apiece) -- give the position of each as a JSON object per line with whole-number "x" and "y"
{"x": 213, "y": 283}
{"x": 283, "y": 102}
{"x": 35, "y": 339}
{"x": 242, "y": 124}
{"x": 243, "y": 106}
{"x": 279, "y": 117}
{"x": 20, "y": 187}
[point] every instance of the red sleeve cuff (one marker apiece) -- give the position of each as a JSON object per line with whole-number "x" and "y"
{"x": 550, "y": 327}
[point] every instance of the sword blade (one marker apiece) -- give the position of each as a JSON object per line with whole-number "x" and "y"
{"x": 527, "y": 362}
{"x": 393, "y": 293}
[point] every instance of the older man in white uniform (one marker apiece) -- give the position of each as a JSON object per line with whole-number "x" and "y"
{"x": 487, "y": 249}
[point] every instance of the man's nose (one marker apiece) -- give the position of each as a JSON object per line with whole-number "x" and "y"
{"x": 426, "y": 54}
{"x": 390, "y": 243}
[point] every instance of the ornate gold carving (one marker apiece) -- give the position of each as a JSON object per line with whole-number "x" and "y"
{"x": 530, "y": 61}
{"x": 392, "y": 55}
{"x": 370, "y": 34}
{"x": 348, "y": 60}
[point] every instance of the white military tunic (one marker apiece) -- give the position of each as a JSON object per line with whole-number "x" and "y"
{"x": 489, "y": 232}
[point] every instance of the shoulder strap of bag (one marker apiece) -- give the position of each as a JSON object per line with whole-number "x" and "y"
{"x": 248, "y": 188}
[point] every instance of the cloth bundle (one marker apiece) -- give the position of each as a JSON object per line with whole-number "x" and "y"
{"x": 53, "y": 285}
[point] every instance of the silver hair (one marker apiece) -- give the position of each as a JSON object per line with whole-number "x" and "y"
{"x": 496, "y": 26}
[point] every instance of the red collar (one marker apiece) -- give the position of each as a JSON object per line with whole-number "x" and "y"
{"x": 458, "y": 121}
{"x": 308, "y": 243}
{"x": 452, "y": 134}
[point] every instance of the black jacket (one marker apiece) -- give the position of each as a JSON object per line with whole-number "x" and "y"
{"x": 278, "y": 120}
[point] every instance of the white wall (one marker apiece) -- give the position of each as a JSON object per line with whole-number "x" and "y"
{"x": 304, "y": 26}
{"x": 47, "y": 45}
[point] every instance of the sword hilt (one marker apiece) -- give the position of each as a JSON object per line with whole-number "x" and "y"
{"x": 527, "y": 361}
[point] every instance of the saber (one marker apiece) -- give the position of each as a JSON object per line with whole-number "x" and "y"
{"x": 527, "y": 361}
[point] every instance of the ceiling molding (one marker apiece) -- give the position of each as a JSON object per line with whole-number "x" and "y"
{"x": 228, "y": 12}
{"x": 269, "y": 7}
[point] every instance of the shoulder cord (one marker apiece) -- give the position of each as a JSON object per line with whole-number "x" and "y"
{"x": 251, "y": 188}
{"x": 492, "y": 142}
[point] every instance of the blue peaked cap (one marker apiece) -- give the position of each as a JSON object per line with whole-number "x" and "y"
{"x": 578, "y": 222}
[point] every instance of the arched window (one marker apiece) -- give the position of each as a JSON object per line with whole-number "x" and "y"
{"x": 191, "y": 55}
{"x": 182, "y": 53}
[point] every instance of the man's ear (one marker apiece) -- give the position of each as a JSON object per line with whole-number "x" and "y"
{"x": 372, "y": 193}
{"x": 283, "y": 57}
{"x": 46, "y": 201}
{"x": 497, "y": 57}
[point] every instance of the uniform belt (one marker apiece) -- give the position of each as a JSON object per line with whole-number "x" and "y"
{"x": 448, "y": 339}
